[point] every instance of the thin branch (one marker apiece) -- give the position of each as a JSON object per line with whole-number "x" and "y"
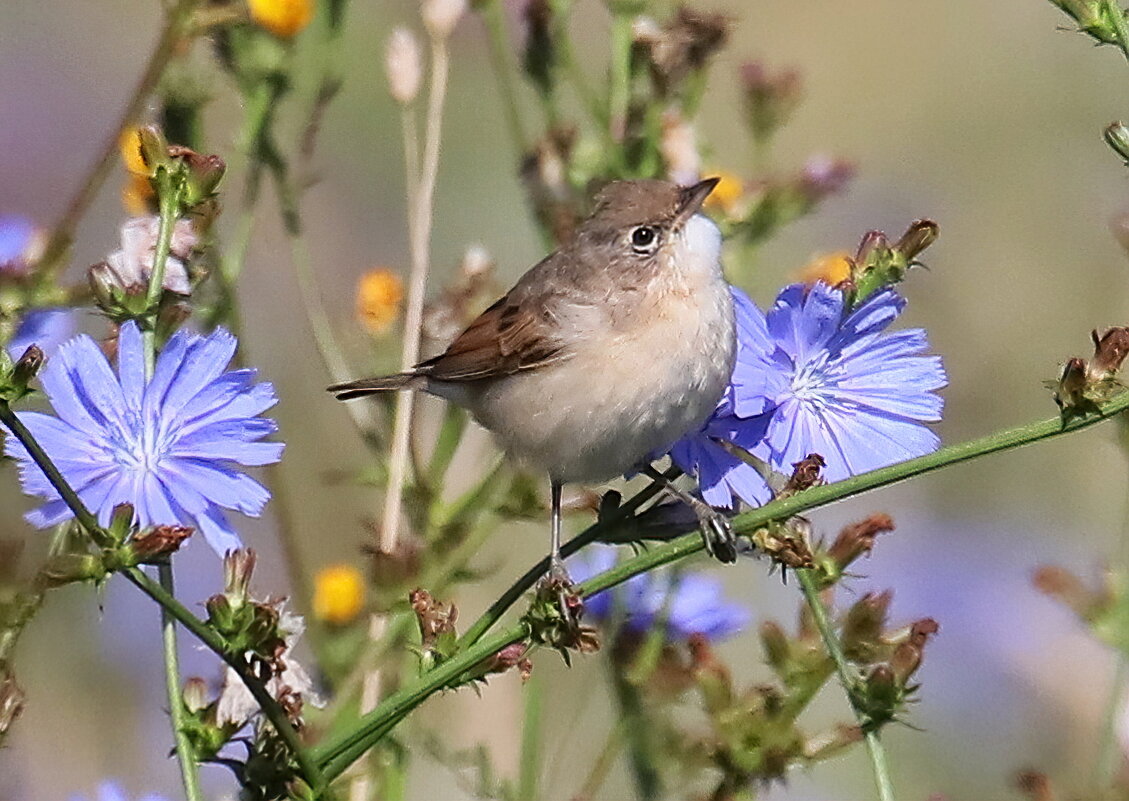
{"x": 850, "y": 683}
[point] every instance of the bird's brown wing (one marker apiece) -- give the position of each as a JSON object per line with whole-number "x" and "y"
{"x": 516, "y": 333}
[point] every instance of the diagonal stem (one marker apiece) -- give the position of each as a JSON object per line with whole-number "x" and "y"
{"x": 849, "y": 681}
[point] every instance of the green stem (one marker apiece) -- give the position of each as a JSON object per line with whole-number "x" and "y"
{"x": 185, "y": 753}
{"x": 847, "y": 678}
{"x": 604, "y": 762}
{"x": 176, "y": 28}
{"x": 530, "y": 764}
{"x": 335, "y": 755}
{"x": 494, "y": 18}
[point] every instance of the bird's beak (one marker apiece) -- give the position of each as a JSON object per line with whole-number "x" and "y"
{"x": 692, "y": 197}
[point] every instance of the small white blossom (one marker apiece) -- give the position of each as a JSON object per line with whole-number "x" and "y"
{"x": 133, "y": 263}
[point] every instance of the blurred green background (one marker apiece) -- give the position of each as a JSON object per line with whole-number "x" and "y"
{"x": 983, "y": 116}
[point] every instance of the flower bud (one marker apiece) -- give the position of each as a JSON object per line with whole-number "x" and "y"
{"x": 153, "y": 147}
{"x": 1116, "y": 135}
{"x": 858, "y": 539}
{"x": 441, "y": 16}
{"x": 67, "y": 568}
{"x": 238, "y": 565}
{"x": 129, "y": 147}
{"x": 27, "y": 366}
{"x": 402, "y": 66}
{"x": 158, "y": 542}
{"x": 11, "y": 701}
{"x": 824, "y": 175}
{"x": 121, "y": 522}
{"x": 907, "y": 656}
{"x": 1110, "y": 350}
{"x": 774, "y": 641}
{"x": 195, "y": 694}
{"x": 1072, "y": 382}
{"x": 864, "y": 623}
{"x": 920, "y": 235}
{"x": 805, "y": 474}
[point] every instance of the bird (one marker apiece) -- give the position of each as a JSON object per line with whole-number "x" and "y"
{"x": 604, "y": 354}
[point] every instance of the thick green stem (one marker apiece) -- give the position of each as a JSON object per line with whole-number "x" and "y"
{"x": 849, "y": 681}
{"x": 185, "y": 753}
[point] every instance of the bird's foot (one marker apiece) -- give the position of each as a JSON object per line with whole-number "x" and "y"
{"x": 717, "y": 533}
{"x": 557, "y": 583}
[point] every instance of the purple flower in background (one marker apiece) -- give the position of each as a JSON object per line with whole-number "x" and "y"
{"x": 814, "y": 377}
{"x": 19, "y": 239}
{"x": 47, "y": 328}
{"x": 111, "y": 791}
{"x": 172, "y": 447}
{"x": 690, "y": 603}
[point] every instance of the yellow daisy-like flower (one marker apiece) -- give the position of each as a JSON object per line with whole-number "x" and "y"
{"x": 129, "y": 146}
{"x": 728, "y": 195}
{"x": 339, "y": 594}
{"x": 283, "y": 18}
{"x": 830, "y": 268}
{"x": 379, "y": 295}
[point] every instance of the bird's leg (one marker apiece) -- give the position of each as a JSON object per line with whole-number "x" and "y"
{"x": 556, "y": 564}
{"x": 717, "y": 534}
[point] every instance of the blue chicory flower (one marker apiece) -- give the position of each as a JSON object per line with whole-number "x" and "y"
{"x": 690, "y": 603}
{"x": 171, "y": 447}
{"x": 812, "y": 376}
{"x": 112, "y": 791}
{"x": 47, "y": 328}
{"x": 18, "y": 238}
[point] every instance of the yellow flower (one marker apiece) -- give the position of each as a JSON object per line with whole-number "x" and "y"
{"x": 830, "y": 268}
{"x": 379, "y": 293}
{"x": 283, "y": 18}
{"x": 339, "y": 594}
{"x": 129, "y": 145}
{"x": 727, "y": 195}
{"x": 138, "y": 196}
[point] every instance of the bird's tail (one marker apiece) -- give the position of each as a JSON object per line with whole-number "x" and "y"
{"x": 370, "y": 386}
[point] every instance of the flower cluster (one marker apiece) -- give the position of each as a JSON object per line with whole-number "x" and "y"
{"x": 171, "y": 446}
{"x": 814, "y": 376}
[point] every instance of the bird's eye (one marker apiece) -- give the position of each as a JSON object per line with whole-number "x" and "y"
{"x": 644, "y": 239}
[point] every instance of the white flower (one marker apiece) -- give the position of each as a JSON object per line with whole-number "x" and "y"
{"x": 132, "y": 264}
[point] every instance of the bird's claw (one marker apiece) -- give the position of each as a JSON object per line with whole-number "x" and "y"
{"x": 717, "y": 534}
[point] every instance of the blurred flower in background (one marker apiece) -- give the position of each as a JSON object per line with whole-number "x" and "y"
{"x": 687, "y": 603}
{"x": 339, "y": 594}
{"x": 47, "y": 328}
{"x": 20, "y": 242}
{"x": 380, "y": 294}
{"x": 111, "y": 791}
{"x": 283, "y": 18}
{"x": 170, "y": 446}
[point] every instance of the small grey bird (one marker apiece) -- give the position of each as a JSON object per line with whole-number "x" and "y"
{"x": 605, "y": 353}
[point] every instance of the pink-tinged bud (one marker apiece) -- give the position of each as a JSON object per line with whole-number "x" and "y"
{"x": 1110, "y": 350}
{"x": 121, "y": 522}
{"x": 907, "y": 656}
{"x": 441, "y": 16}
{"x": 864, "y": 623}
{"x": 874, "y": 245}
{"x": 238, "y": 565}
{"x": 858, "y": 539}
{"x": 158, "y": 542}
{"x": 402, "y": 66}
